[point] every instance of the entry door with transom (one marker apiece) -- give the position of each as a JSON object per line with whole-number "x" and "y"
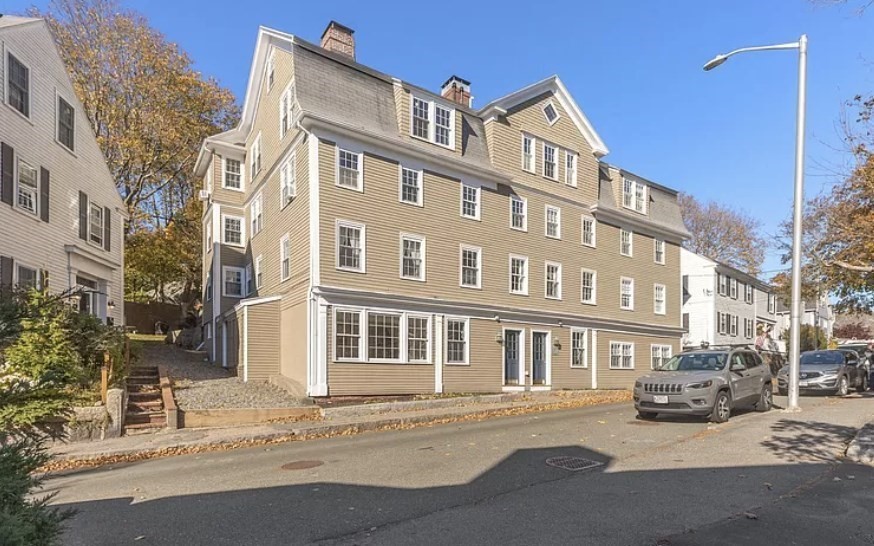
{"x": 538, "y": 358}
{"x": 511, "y": 357}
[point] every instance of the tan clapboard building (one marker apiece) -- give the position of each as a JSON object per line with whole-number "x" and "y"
{"x": 363, "y": 235}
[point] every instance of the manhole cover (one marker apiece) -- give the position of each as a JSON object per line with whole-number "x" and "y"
{"x": 301, "y": 465}
{"x": 573, "y": 464}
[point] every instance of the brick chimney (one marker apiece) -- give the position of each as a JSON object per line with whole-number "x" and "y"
{"x": 338, "y": 38}
{"x": 457, "y": 90}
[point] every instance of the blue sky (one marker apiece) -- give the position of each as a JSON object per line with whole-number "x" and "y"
{"x": 634, "y": 67}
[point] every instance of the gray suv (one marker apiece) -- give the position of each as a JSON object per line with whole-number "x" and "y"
{"x": 707, "y": 382}
{"x": 830, "y": 371}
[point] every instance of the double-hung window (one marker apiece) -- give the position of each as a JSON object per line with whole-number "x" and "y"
{"x": 621, "y": 355}
{"x": 634, "y": 195}
{"x": 433, "y": 122}
{"x": 284, "y": 258}
{"x": 470, "y": 202}
{"x": 659, "y": 251}
{"x": 383, "y": 336}
{"x": 412, "y": 257}
{"x": 367, "y": 335}
{"x": 518, "y": 213}
{"x": 471, "y": 266}
{"x": 733, "y": 325}
{"x": 27, "y": 277}
{"x": 570, "y": 170}
{"x": 550, "y": 166}
{"x": 553, "y": 222}
{"x": 259, "y": 271}
{"x": 233, "y": 230}
{"x": 18, "y": 85}
{"x": 721, "y": 323}
{"x": 660, "y": 355}
{"x": 250, "y": 280}
{"x": 285, "y": 110}
{"x": 626, "y": 242}
{"x": 349, "y": 172}
{"x": 519, "y": 275}
{"x": 418, "y": 338}
{"x": 66, "y": 124}
{"x": 659, "y": 299}
{"x": 347, "y": 335}
{"x": 528, "y": 143}
{"x": 456, "y": 341}
{"x": 748, "y": 293}
{"x": 232, "y": 282}
{"x": 28, "y": 188}
{"x": 732, "y": 288}
{"x": 588, "y": 288}
{"x": 255, "y": 157}
{"x": 579, "y": 346}
{"x": 287, "y": 180}
{"x": 772, "y": 303}
{"x": 721, "y": 284}
{"x": 351, "y": 246}
{"x": 411, "y": 186}
{"x": 553, "y": 281}
{"x": 256, "y": 214}
{"x": 748, "y": 328}
{"x": 207, "y": 239}
{"x": 626, "y": 294}
{"x": 588, "y": 230}
{"x": 232, "y": 174}
{"x": 95, "y": 224}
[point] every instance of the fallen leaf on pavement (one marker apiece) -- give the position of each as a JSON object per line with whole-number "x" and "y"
{"x": 750, "y": 515}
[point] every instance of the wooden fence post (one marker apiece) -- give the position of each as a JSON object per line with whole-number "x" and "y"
{"x": 104, "y": 376}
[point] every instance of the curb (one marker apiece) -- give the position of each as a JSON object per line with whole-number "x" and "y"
{"x": 861, "y": 449}
{"x": 361, "y": 410}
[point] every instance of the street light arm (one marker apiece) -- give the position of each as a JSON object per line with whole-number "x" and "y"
{"x": 721, "y": 58}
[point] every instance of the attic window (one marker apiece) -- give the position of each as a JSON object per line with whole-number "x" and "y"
{"x": 634, "y": 195}
{"x": 550, "y": 112}
{"x": 433, "y": 122}
{"x": 270, "y": 70}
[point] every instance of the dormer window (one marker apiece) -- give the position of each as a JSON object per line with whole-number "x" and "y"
{"x": 550, "y": 112}
{"x": 634, "y": 195}
{"x": 433, "y": 122}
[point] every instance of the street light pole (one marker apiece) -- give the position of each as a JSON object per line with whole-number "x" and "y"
{"x": 795, "y": 309}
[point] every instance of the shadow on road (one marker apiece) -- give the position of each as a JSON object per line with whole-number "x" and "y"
{"x": 808, "y": 441}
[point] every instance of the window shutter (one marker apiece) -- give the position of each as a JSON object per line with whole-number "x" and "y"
{"x": 6, "y": 265}
{"x": 44, "y": 194}
{"x": 7, "y": 157}
{"x": 107, "y": 228}
{"x": 83, "y": 216}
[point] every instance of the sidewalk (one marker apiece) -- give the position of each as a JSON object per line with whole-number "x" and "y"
{"x": 337, "y": 421}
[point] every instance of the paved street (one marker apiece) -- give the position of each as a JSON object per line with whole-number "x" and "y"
{"x": 677, "y": 481}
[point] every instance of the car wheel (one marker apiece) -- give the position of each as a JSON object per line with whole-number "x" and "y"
{"x": 843, "y": 386}
{"x": 863, "y": 385}
{"x": 721, "y": 408}
{"x": 766, "y": 399}
{"x": 647, "y": 415}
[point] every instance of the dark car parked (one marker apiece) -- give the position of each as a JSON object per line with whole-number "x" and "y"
{"x": 833, "y": 371}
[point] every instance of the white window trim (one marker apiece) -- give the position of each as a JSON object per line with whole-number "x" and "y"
{"x": 546, "y": 210}
{"x": 594, "y": 300}
{"x": 242, "y": 220}
{"x": 556, "y": 161}
{"x": 286, "y": 98}
{"x": 270, "y": 69}
{"x": 259, "y": 272}
{"x": 621, "y": 344}
{"x": 412, "y": 237}
{"x": 533, "y": 169}
{"x": 585, "y": 364}
{"x": 6, "y": 50}
{"x": 479, "y": 201}
{"x": 363, "y": 237}
{"x": 16, "y": 278}
{"x": 419, "y": 194}
{"x": 242, "y": 272}
{"x": 634, "y": 185}
{"x": 432, "y": 121}
{"x": 284, "y": 180}
{"x": 546, "y": 281}
{"x": 557, "y": 114}
{"x": 256, "y": 147}
{"x": 282, "y": 257}
{"x": 363, "y": 347}
{"x": 524, "y": 202}
{"x": 256, "y": 209}
{"x": 630, "y": 233}
{"x": 661, "y": 348}
{"x": 569, "y": 155}
{"x": 631, "y": 307}
{"x": 583, "y": 219}
{"x": 225, "y": 173}
{"x": 247, "y": 278}
{"x": 467, "y": 340}
{"x": 360, "y": 180}
{"x": 36, "y": 197}
{"x": 58, "y": 99}
{"x": 102, "y": 224}
{"x": 655, "y": 309}
{"x": 655, "y": 251}
{"x": 732, "y": 288}
{"x": 479, "y": 263}
{"x": 524, "y": 291}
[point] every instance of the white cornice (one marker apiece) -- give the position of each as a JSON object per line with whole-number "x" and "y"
{"x": 640, "y": 224}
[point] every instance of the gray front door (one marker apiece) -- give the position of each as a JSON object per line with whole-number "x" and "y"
{"x": 538, "y": 358}
{"x": 511, "y": 357}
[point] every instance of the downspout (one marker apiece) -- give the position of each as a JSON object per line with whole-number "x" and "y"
{"x": 312, "y": 310}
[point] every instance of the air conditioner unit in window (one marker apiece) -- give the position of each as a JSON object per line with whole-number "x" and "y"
{"x": 203, "y": 195}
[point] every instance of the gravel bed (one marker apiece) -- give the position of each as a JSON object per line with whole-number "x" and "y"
{"x": 198, "y": 384}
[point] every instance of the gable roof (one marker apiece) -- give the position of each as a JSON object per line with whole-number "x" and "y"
{"x": 554, "y": 85}
{"x": 14, "y": 20}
